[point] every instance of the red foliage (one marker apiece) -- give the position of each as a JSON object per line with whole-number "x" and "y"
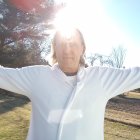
{"x": 28, "y": 5}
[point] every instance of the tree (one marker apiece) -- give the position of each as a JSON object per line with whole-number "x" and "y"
{"x": 16, "y": 25}
{"x": 115, "y": 59}
{"x": 24, "y": 34}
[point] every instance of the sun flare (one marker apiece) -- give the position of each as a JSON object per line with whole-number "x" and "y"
{"x": 99, "y": 30}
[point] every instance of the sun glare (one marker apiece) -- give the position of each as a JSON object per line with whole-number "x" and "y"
{"x": 63, "y": 23}
{"x": 88, "y": 16}
{"x": 99, "y": 30}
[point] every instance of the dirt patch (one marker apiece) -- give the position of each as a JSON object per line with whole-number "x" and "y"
{"x": 124, "y": 110}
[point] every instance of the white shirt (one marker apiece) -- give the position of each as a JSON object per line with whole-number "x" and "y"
{"x": 61, "y": 110}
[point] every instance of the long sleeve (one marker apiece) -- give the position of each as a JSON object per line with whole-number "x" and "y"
{"x": 117, "y": 81}
{"x": 19, "y": 80}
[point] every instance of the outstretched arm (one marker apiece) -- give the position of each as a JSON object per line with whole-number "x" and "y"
{"x": 117, "y": 81}
{"x": 19, "y": 80}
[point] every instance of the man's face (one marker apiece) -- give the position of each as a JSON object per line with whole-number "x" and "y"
{"x": 68, "y": 50}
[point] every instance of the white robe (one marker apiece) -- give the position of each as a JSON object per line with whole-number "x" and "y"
{"x": 65, "y": 111}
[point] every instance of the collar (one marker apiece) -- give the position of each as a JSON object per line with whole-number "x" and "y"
{"x": 81, "y": 74}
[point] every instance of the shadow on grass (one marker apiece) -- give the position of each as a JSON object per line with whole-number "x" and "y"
{"x": 125, "y": 104}
{"x": 8, "y": 101}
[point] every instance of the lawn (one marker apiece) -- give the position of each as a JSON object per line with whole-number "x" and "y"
{"x": 15, "y": 115}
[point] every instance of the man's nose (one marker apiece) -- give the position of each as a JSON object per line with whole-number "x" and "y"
{"x": 67, "y": 48}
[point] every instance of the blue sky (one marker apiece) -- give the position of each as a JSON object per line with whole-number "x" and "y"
{"x": 126, "y": 13}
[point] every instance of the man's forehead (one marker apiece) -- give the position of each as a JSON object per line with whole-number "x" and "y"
{"x": 74, "y": 36}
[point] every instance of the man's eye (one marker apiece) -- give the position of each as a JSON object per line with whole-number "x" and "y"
{"x": 72, "y": 44}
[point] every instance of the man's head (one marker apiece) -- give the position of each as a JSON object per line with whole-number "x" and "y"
{"x": 68, "y": 49}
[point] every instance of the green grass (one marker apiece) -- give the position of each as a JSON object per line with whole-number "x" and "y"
{"x": 14, "y": 124}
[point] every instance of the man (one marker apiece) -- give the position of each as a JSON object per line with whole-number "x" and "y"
{"x": 68, "y": 100}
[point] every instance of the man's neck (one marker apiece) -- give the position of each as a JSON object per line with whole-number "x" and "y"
{"x": 69, "y": 71}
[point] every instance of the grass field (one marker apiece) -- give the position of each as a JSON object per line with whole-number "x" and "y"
{"x": 15, "y": 115}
